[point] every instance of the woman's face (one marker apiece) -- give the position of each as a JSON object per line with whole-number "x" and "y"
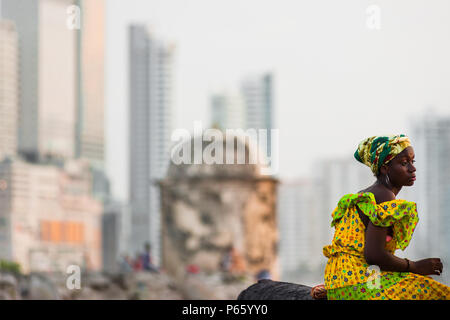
{"x": 401, "y": 169}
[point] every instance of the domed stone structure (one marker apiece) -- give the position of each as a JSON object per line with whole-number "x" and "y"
{"x": 207, "y": 209}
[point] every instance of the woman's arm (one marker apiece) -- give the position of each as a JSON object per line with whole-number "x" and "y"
{"x": 376, "y": 254}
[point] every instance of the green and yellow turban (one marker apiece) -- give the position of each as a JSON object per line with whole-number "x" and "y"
{"x": 378, "y": 150}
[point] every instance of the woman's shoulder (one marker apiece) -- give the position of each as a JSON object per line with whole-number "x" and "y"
{"x": 380, "y": 195}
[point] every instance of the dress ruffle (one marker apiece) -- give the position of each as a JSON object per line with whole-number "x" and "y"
{"x": 399, "y": 214}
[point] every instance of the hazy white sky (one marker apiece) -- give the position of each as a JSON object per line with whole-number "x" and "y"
{"x": 336, "y": 80}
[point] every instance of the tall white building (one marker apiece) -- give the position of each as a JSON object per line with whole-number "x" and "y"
{"x": 61, "y": 79}
{"x": 430, "y": 137}
{"x": 249, "y": 107}
{"x": 90, "y": 103}
{"x": 228, "y": 110}
{"x": 48, "y": 77}
{"x": 151, "y": 63}
{"x": 90, "y": 118}
{"x": 116, "y": 234}
{"x": 257, "y": 91}
{"x": 9, "y": 88}
{"x": 299, "y": 249}
{"x": 258, "y": 95}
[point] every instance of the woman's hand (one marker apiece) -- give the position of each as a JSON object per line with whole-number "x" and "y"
{"x": 427, "y": 266}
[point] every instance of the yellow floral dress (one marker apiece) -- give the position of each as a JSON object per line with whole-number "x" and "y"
{"x": 347, "y": 274}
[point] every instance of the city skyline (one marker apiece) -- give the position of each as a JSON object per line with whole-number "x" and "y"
{"x": 90, "y": 123}
{"x": 335, "y": 79}
{"x": 53, "y": 185}
{"x": 88, "y": 111}
{"x": 47, "y": 113}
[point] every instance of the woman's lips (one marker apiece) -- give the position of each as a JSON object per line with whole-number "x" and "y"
{"x": 413, "y": 178}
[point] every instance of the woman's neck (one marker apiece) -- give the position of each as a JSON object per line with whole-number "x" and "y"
{"x": 395, "y": 190}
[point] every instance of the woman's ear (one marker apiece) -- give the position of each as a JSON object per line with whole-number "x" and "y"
{"x": 383, "y": 170}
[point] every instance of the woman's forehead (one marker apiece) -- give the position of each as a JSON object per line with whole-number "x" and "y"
{"x": 408, "y": 153}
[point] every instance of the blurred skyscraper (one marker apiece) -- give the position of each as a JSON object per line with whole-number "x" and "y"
{"x": 115, "y": 235}
{"x": 249, "y": 107}
{"x": 90, "y": 109}
{"x": 91, "y": 57}
{"x": 299, "y": 248}
{"x": 61, "y": 109}
{"x": 9, "y": 88}
{"x": 431, "y": 141}
{"x": 48, "y": 77}
{"x": 228, "y": 110}
{"x": 61, "y": 79}
{"x": 151, "y": 63}
{"x": 257, "y": 91}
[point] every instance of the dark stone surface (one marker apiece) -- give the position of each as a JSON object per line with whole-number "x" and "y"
{"x": 276, "y": 290}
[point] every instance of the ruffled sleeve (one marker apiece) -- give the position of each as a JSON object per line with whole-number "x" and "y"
{"x": 401, "y": 215}
{"x": 347, "y": 202}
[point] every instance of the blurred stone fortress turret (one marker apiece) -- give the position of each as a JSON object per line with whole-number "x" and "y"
{"x": 208, "y": 209}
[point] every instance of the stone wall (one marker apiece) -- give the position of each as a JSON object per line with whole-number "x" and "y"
{"x": 121, "y": 286}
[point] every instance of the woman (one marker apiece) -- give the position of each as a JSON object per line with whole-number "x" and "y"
{"x": 372, "y": 224}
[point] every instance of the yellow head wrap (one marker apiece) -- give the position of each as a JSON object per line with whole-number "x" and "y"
{"x": 378, "y": 150}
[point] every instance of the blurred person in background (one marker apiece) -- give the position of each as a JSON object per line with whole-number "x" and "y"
{"x": 137, "y": 263}
{"x": 147, "y": 263}
{"x": 225, "y": 263}
{"x": 233, "y": 261}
